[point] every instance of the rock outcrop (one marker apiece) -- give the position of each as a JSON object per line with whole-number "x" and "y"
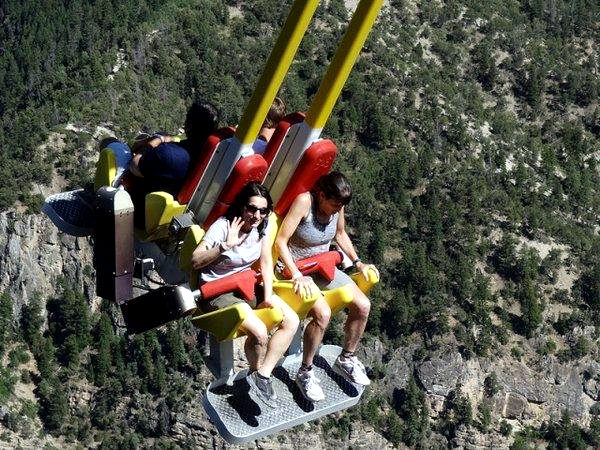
{"x": 34, "y": 255}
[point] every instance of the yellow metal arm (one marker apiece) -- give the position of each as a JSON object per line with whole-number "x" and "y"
{"x": 301, "y": 305}
{"x": 106, "y": 169}
{"x": 275, "y": 69}
{"x": 343, "y": 61}
{"x": 225, "y": 323}
{"x": 363, "y": 284}
{"x": 161, "y": 207}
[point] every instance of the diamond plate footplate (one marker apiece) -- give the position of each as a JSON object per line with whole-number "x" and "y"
{"x": 71, "y": 212}
{"x": 240, "y": 416}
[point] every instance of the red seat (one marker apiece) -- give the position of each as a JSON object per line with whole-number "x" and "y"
{"x": 316, "y": 161}
{"x": 251, "y": 168}
{"x": 241, "y": 283}
{"x": 323, "y": 264}
{"x": 279, "y": 134}
{"x": 200, "y": 162}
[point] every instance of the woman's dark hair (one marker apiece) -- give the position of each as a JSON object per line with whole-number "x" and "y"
{"x": 250, "y": 190}
{"x": 201, "y": 120}
{"x": 334, "y": 186}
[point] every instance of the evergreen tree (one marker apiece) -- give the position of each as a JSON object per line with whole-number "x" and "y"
{"x": 6, "y": 321}
{"x": 32, "y": 320}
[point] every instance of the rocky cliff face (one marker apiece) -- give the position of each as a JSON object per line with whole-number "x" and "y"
{"x": 33, "y": 255}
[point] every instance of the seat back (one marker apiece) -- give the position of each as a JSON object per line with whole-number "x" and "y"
{"x": 280, "y": 133}
{"x": 316, "y": 162}
{"x": 200, "y": 162}
{"x": 251, "y": 168}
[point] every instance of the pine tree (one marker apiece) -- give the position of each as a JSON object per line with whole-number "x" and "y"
{"x": 32, "y": 320}
{"x": 6, "y": 321}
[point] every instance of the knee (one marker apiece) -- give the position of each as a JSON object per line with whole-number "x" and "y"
{"x": 362, "y": 307}
{"x": 321, "y": 316}
{"x": 260, "y": 336}
{"x": 290, "y": 322}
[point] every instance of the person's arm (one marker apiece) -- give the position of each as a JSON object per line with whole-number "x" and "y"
{"x": 151, "y": 141}
{"x": 149, "y": 162}
{"x": 134, "y": 165}
{"x": 266, "y": 269}
{"x": 345, "y": 244}
{"x": 209, "y": 250}
{"x": 303, "y": 285}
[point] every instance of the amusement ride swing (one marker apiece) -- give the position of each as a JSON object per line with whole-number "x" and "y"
{"x": 294, "y": 159}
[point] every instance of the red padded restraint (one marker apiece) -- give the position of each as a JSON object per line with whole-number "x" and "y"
{"x": 200, "y": 162}
{"x": 251, "y": 168}
{"x": 323, "y": 264}
{"x": 279, "y": 134}
{"x": 241, "y": 283}
{"x": 316, "y": 161}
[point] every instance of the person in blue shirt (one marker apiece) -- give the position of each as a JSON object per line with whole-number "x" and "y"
{"x": 160, "y": 164}
{"x": 275, "y": 114}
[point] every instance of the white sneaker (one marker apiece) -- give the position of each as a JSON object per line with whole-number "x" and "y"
{"x": 308, "y": 383}
{"x": 352, "y": 369}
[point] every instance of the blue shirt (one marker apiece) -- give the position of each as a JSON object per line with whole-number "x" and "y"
{"x": 165, "y": 167}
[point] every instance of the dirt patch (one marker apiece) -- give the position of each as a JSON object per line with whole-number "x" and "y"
{"x": 392, "y": 254}
{"x": 235, "y": 12}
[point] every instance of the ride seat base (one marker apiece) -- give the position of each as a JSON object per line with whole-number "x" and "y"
{"x": 240, "y": 417}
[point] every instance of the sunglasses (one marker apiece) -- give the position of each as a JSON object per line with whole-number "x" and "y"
{"x": 252, "y": 210}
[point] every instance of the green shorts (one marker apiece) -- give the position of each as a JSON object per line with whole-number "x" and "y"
{"x": 228, "y": 299}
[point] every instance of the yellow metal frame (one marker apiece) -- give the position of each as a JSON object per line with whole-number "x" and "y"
{"x": 225, "y": 323}
{"x": 343, "y": 61}
{"x": 161, "y": 207}
{"x": 275, "y": 69}
{"x": 106, "y": 169}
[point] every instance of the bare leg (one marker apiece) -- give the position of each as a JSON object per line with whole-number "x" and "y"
{"x": 313, "y": 335}
{"x": 256, "y": 341}
{"x": 358, "y": 313}
{"x": 281, "y": 339}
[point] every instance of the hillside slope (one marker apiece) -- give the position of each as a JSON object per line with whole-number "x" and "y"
{"x": 470, "y": 131}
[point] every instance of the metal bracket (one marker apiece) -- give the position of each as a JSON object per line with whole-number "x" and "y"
{"x": 220, "y": 359}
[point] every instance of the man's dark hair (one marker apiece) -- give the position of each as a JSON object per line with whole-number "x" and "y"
{"x": 334, "y": 186}
{"x": 250, "y": 190}
{"x": 201, "y": 120}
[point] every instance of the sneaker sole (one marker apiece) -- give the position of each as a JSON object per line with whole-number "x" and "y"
{"x": 341, "y": 372}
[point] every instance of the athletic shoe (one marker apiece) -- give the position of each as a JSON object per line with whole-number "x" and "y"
{"x": 308, "y": 383}
{"x": 263, "y": 388}
{"x": 351, "y": 369}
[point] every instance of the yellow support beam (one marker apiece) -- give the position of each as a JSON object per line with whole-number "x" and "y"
{"x": 275, "y": 69}
{"x": 343, "y": 61}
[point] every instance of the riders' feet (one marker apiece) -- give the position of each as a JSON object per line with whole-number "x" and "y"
{"x": 351, "y": 369}
{"x": 308, "y": 383}
{"x": 263, "y": 388}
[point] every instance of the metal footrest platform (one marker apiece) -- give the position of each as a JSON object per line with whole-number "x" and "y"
{"x": 72, "y": 212}
{"x": 240, "y": 416}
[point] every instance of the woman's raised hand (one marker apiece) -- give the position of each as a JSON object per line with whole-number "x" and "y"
{"x": 233, "y": 233}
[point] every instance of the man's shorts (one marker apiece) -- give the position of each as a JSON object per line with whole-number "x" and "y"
{"x": 230, "y": 298}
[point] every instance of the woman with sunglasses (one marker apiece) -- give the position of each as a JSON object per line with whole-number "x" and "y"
{"x": 232, "y": 244}
{"x": 312, "y": 222}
